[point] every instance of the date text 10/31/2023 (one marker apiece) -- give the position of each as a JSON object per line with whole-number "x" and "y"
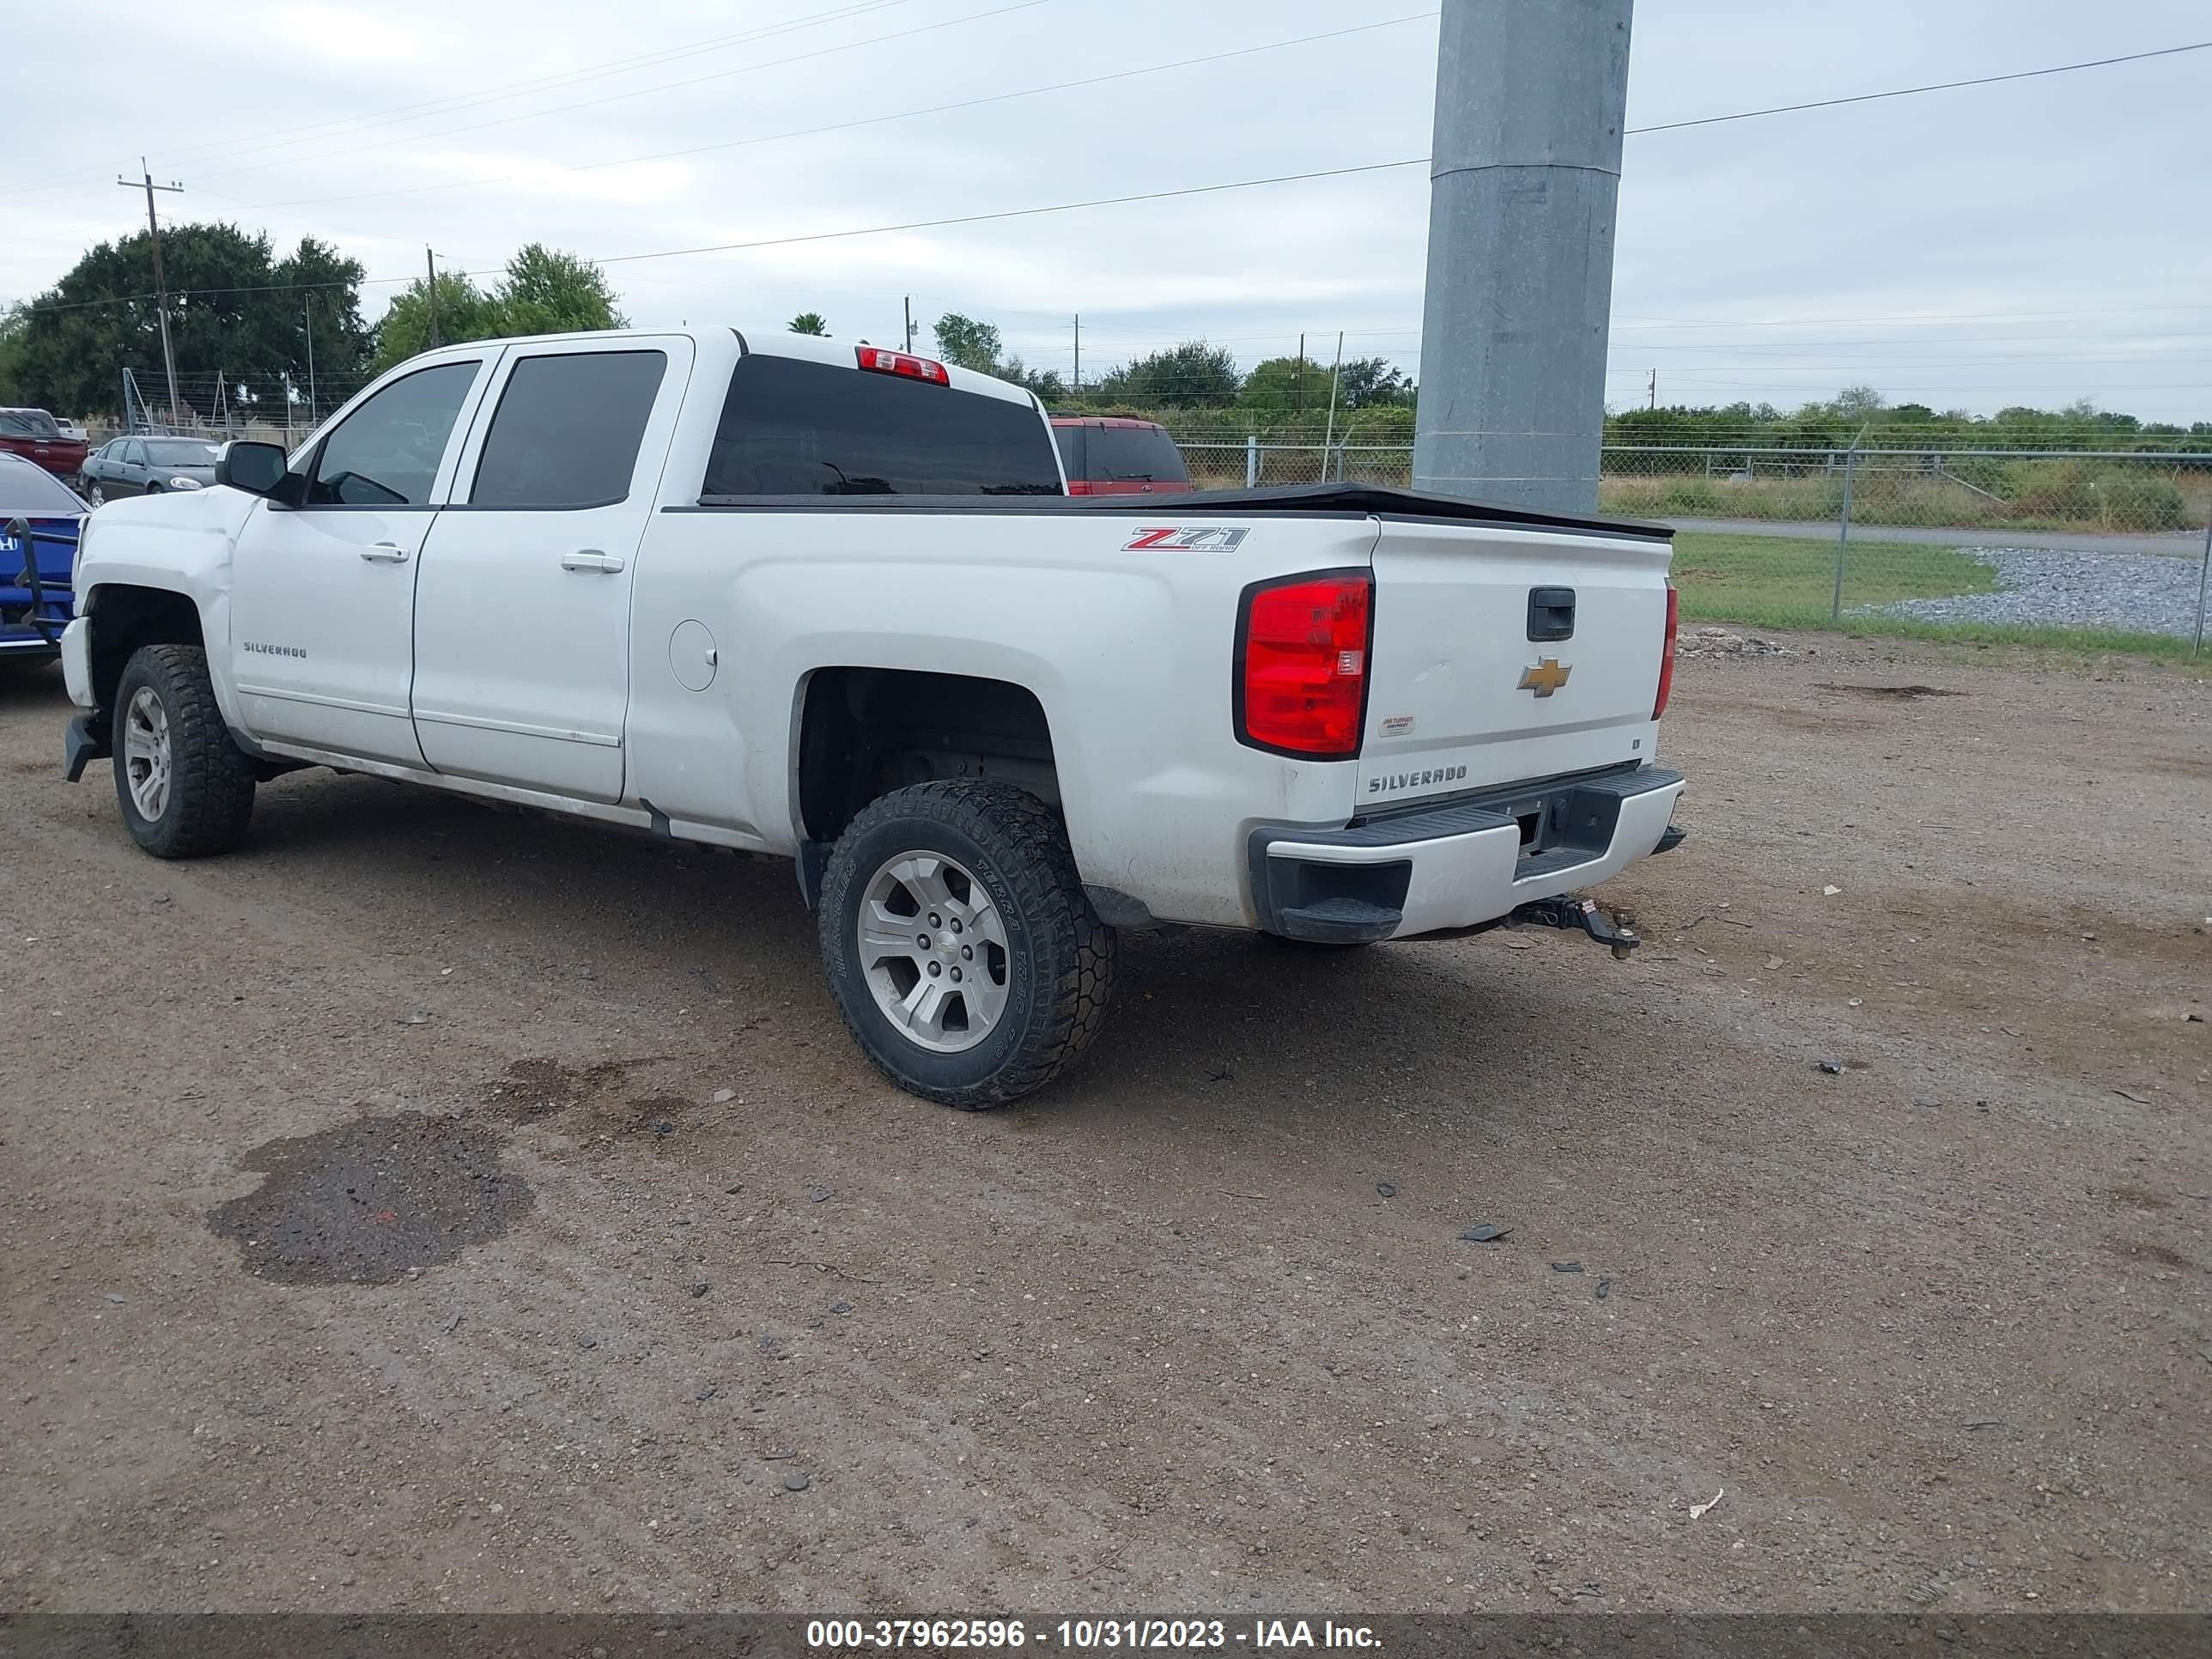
{"x": 1080, "y": 1635}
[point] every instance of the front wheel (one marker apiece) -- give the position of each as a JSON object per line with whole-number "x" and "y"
{"x": 187, "y": 790}
{"x": 961, "y": 949}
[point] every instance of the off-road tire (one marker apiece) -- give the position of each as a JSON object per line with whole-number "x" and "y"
{"x": 1060, "y": 956}
{"x": 211, "y": 780}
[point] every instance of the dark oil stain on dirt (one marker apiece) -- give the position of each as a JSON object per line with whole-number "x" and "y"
{"x": 2137, "y": 1249}
{"x": 1896, "y": 693}
{"x": 363, "y": 1203}
{"x": 2140, "y": 1197}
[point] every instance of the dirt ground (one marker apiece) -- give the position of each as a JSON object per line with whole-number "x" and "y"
{"x": 432, "y": 1207}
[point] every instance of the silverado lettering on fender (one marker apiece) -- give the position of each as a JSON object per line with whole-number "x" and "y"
{"x": 835, "y": 603}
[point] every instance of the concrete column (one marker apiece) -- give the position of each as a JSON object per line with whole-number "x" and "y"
{"x": 1524, "y": 178}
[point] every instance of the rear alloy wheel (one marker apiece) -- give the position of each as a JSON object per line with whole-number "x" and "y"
{"x": 964, "y": 954}
{"x": 95, "y": 495}
{"x": 185, "y": 789}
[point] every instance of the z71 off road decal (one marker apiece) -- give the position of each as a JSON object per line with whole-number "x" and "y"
{"x": 1188, "y": 539}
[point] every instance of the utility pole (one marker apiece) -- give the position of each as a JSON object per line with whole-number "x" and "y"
{"x": 1655, "y": 388}
{"x": 1079, "y": 354}
{"x": 1298, "y": 380}
{"x": 906, "y": 311}
{"x": 161, "y": 285}
{"x": 1330, "y": 436}
{"x": 1525, "y": 181}
{"x": 430, "y": 262}
{"x": 307, "y": 312}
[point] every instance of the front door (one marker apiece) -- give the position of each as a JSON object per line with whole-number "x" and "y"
{"x": 522, "y": 603}
{"x": 323, "y": 594}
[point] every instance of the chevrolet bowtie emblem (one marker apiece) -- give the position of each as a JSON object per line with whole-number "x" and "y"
{"x": 1546, "y": 678}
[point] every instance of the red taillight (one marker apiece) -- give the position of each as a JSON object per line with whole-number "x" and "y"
{"x": 899, "y": 362}
{"x": 1079, "y": 486}
{"x": 1301, "y": 664}
{"x": 1667, "y": 654}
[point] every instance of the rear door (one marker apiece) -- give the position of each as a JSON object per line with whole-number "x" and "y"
{"x": 522, "y": 605}
{"x": 1504, "y": 654}
{"x": 128, "y": 476}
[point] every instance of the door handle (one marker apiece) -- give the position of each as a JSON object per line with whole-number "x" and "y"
{"x": 385, "y": 553}
{"x": 591, "y": 558}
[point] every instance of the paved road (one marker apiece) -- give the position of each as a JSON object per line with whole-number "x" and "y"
{"x": 2184, "y": 544}
{"x": 430, "y": 1207}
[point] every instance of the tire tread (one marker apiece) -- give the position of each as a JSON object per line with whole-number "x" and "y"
{"x": 211, "y": 779}
{"x": 1028, "y": 842}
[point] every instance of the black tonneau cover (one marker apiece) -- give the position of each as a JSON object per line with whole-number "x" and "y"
{"x": 1332, "y": 500}
{"x": 1380, "y": 501}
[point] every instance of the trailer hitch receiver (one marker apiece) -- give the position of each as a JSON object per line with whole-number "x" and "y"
{"x": 1579, "y": 915}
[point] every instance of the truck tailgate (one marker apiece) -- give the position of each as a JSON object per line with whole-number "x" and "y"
{"x": 1466, "y": 691}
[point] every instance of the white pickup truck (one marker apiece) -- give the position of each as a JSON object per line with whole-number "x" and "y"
{"x": 832, "y": 602}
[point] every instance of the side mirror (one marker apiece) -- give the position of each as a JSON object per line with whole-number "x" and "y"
{"x": 257, "y": 469}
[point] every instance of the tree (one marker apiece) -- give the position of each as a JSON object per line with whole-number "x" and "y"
{"x": 1369, "y": 383}
{"x": 464, "y": 312}
{"x": 969, "y": 343}
{"x": 1858, "y": 403}
{"x": 549, "y": 292}
{"x": 1283, "y": 386}
{"x": 543, "y": 291}
{"x": 809, "y": 322}
{"x": 1192, "y": 375}
{"x": 234, "y": 310}
{"x": 1044, "y": 382}
{"x": 14, "y": 324}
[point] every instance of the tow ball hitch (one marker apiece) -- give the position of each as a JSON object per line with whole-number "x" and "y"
{"x": 1581, "y": 915}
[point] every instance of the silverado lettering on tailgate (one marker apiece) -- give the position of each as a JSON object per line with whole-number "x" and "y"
{"x": 1415, "y": 780}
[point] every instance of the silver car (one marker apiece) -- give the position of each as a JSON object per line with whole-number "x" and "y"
{"x": 148, "y": 466}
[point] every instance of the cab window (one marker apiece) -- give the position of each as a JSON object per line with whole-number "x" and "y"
{"x": 387, "y": 453}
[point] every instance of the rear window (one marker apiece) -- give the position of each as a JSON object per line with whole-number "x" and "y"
{"x": 27, "y": 423}
{"x": 1131, "y": 454}
{"x": 32, "y": 492}
{"x": 791, "y": 427}
{"x": 179, "y": 452}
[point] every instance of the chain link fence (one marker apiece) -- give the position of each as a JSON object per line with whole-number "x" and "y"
{"x": 2095, "y": 547}
{"x": 2100, "y": 547}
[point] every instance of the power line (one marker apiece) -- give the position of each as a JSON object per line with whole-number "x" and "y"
{"x": 1912, "y": 91}
{"x": 230, "y": 149}
{"x": 1014, "y": 213}
{"x": 1213, "y": 189}
{"x": 869, "y": 120}
{"x": 1289, "y": 177}
{"x": 640, "y": 92}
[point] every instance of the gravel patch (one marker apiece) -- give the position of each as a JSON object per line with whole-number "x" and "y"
{"x": 2143, "y": 593}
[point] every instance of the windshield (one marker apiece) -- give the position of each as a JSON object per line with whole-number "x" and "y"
{"x": 27, "y": 423}
{"x": 34, "y": 492}
{"x": 179, "y": 452}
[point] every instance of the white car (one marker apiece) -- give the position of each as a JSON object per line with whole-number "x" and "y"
{"x": 776, "y": 594}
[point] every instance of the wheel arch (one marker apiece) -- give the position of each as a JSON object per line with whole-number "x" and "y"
{"x": 859, "y": 732}
{"x": 127, "y": 616}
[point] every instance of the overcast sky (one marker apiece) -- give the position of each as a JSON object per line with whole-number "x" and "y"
{"x": 2039, "y": 243}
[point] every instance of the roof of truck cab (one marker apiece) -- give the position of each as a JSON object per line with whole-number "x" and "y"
{"x": 767, "y": 343}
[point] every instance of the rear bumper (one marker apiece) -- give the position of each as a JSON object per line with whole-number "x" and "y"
{"x": 1462, "y": 865}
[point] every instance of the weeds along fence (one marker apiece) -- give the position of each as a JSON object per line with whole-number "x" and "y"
{"x": 2107, "y": 549}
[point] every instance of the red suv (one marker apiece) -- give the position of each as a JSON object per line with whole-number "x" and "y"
{"x": 37, "y": 437}
{"x": 1111, "y": 455}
